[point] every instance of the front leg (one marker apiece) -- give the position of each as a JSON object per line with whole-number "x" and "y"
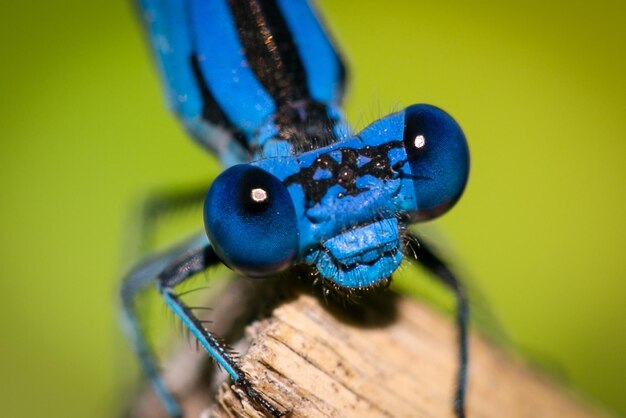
{"x": 168, "y": 270}
{"x": 426, "y": 257}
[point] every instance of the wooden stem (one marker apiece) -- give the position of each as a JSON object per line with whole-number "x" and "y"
{"x": 385, "y": 359}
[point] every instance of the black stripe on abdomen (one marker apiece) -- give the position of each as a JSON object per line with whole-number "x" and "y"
{"x": 270, "y": 50}
{"x": 274, "y": 59}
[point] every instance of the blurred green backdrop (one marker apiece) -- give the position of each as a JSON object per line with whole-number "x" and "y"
{"x": 539, "y": 88}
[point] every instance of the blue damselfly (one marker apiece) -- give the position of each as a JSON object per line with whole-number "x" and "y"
{"x": 259, "y": 84}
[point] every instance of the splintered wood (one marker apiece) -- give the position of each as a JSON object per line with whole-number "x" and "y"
{"x": 389, "y": 357}
{"x": 308, "y": 361}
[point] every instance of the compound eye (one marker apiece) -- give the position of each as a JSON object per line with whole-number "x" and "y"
{"x": 251, "y": 221}
{"x": 438, "y": 158}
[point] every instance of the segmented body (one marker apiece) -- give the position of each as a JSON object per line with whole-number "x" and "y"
{"x": 258, "y": 83}
{"x": 247, "y": 78}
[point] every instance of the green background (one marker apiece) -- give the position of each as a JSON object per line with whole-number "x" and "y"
{"x": 539, "y": 88}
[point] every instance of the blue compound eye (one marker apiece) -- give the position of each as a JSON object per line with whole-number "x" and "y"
{"x": 438, "y": 158}
{"x": 251, "y": 221}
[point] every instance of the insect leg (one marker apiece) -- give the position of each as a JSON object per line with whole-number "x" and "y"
{"x": 161, "y": 204}
{"x": 188, "y": 264}
{"x": 136, "y": 281}
{"x": 426, "y": 257}
{"x": 152, "y": 210}
{"x": 168, "y": 270}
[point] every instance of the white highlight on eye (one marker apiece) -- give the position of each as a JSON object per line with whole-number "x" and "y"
{"x": 258, "y": 195}
{"x": 420, "y": 141}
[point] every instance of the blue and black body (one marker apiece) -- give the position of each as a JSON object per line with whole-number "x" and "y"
{"x": 259, "y": 83}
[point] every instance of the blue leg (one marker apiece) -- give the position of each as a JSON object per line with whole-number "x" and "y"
{"x": 136, "y": 281}
{"x": 161, "y": 204}
{"x": 153, "y": 208}
{"x": 425, "y": 256}
{"x": 168, "y": 270}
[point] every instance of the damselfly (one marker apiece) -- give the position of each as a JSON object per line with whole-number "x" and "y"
{"x": 258, "y": 83}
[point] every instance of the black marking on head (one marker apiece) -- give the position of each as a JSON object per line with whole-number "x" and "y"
{"x": 211, "y": 110}
{"x": 346, "y": 171}
{"x": 273, "y": 56}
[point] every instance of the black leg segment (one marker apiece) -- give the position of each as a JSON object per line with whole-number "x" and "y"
{"x": 166, "y": 271}
{"x": 426, "y": 257}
